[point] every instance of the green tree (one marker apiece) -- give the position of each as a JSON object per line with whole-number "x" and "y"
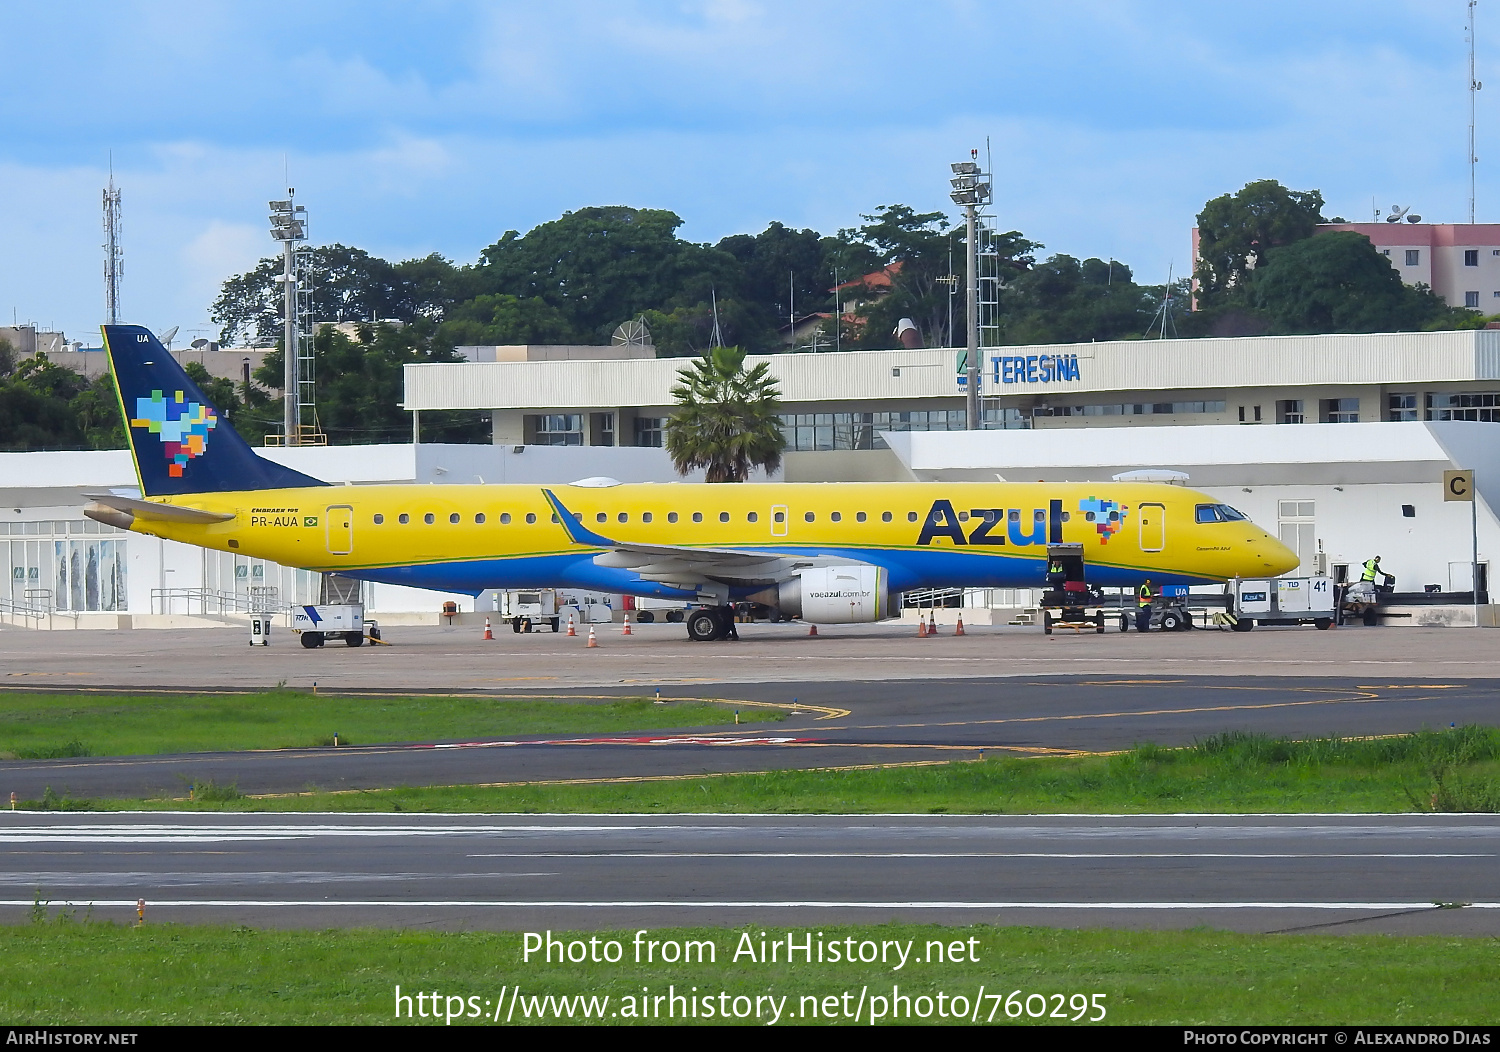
{"x": 1063, "y": 300}
{"x": 726, "y": 418}
{"x": 348, "y": 284}
{"x": 1338, "y": 282}
{"x": 1235, "y": 232}
{"x": 359, "y": 385}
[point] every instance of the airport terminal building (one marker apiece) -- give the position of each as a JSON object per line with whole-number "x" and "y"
{"x": 1335, "y": 443}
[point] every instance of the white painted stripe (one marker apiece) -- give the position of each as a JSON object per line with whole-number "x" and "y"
{"x": 789, "y": 904}
{"x": 969, "y": 854}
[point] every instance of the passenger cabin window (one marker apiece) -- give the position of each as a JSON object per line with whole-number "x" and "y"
{"x": 859, "y": 516}
{"x": 429, "y": 518}
{"x": 885, "y": 516}
{"x": 752, "y": 517}
{"x": 697, "y": 516}
{"x": 836, "y": 517}
{"x": 671, "y": 516}
{"x": 405, "y": 518}
{"x": 623, "y": 516}
{"x": 723, "y": 516}
{"x": 453, "y": 518}
{"x": 530, "y": 517}
{"x": 601, "y": 517}
{"x": 809, "y": 516}
{"x": 379, "y": 519}
{"x": 505, "y": 518}
{"x": 911, "y": 516}
{"x": 479, "y": 518}
{"x": 645, "y": 516}
{"x": 780, "y": 516}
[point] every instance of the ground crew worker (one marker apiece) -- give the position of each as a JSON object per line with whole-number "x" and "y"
{"x": 1056, "y": 575}
{"x": 1143, "y": 612}
{"x": 1372, "y": 569}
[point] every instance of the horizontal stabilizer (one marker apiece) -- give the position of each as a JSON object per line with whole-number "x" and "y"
{"x": 122, "y": 511}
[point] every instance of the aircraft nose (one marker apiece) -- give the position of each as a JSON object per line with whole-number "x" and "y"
{"x": 1279, "y": 557}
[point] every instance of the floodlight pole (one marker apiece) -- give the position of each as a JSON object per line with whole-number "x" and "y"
{"x": 288, "y": 228}
{"x": 971, "y": 188}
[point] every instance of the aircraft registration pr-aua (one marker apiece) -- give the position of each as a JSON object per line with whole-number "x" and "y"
{"x": 830, "y": 553}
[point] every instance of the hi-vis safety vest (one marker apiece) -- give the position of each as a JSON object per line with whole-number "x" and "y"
{"x": 1146, "y": 595}
{"x": 1371, "y": 569}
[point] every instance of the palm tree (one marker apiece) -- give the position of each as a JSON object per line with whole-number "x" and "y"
{"x": 726, "y": 418}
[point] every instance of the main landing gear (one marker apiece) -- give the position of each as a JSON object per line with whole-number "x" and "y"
{"x": 708, "y": 623}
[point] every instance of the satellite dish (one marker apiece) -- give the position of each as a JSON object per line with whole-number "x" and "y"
{"x": 632, "y": 333}
{"x": 1414, "y": 219}
{"x": 197, "y": 344}
{"x": 1397, "y": 211}
{"x": 166, "y": 337}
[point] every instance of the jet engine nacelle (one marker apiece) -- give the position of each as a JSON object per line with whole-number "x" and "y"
{"x": 833, "y": 595}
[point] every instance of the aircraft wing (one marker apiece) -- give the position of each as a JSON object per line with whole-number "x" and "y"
{"x": 675, "y": 564}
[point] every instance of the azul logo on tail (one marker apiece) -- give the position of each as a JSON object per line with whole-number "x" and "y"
{"x": 181, "y": 425}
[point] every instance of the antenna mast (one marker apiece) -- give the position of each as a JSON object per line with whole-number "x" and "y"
{"x": 1474, "y": 86}
{"x": 114, "y": 255}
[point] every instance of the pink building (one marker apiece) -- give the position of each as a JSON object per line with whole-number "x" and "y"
{"x": 1458, "y": 261}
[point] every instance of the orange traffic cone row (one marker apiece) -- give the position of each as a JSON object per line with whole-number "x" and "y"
{"x": 572, "y": 631}
{"x": 626, "y": 630}
{"x": 592, "y": 641}
{"x": 812, "y": 630}
{"x": 488, "y": 634}
{"x": 960, "y": 629}
{"x": 921, "y": 627}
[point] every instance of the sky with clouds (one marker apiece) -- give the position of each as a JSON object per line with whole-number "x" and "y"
{"x": 417, "y": 127}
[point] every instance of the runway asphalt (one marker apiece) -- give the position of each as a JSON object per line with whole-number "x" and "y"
{"x": 1405, "y": 874}
{"x": 865, "y": 723}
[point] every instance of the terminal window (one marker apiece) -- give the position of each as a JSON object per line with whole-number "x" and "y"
{"x": 1402, "y": 407}
{"x": 1289, "y": 411}
{"x": 1297, "y": 529}
{"x": 1340, "y": 411}
{"x": 1479, "y": 405}
{"x": 555, "y": 429}
{"x": 1413, "y": 257}
{"x": 1471, "y": 257}
{"x": 650, "y": 431}
{"x": 1471, "y": 299}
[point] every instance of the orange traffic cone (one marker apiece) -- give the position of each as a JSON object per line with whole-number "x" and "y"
{"x": 960, "y": 629}
{"x": 921, "y": 626}
{"x": 931, "y": 624}
{"x": 626, "y": 630}
{"x": 488, "y": 634}
{"x": 592, "y": 641}
{"x": 571, "y": 630}
{"x": 812, "y": 630}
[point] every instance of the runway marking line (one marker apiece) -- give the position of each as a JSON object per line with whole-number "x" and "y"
{"x": 757, "y": 904}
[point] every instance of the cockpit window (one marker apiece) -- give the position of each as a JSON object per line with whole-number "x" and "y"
{"x": 1217, "y": 513}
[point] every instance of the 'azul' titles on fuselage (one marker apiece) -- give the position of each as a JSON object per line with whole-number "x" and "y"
{"x": 996, "y": 526}
{"x": 1035, "y": 368}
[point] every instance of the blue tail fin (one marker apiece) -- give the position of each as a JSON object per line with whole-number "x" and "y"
{"x": 179, "y": 441}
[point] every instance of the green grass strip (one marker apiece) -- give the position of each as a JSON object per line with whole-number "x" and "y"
{"x": 1451, "y": 770}
{"x": 48, "y": 726}
{"x": 220, "y": 975}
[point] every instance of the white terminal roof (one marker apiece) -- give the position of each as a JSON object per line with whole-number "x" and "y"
{"x": 866, "y": 376}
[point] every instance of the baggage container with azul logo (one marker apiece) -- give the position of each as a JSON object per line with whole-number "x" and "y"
{"x": 1281, "y": 601}
{"x": 316, "y": 625}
